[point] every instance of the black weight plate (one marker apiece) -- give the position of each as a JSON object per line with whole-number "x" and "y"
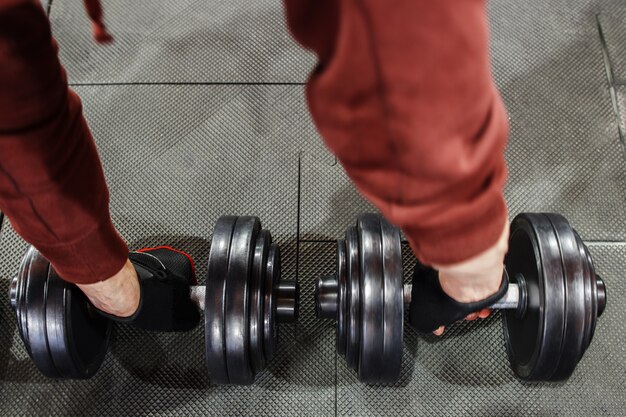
{"x": 534, "y": 341}
{"x": 371, "y": 361}
{"x": 78, "y": 337}
{"x": 393, "y": 302}
{"x": 341, "y": 297}
{"x": 272, "y": 277}
{"x": 237, "y": 298}
{"x": 354, "y": 303}
{"x": 589, "y": 318}
{"x": 257, "y": 287}
{"x": 21, "y": 279}
{"x": 591, "y": 300}
{"x": 594, "y": 294}
{"x": 214, "y": 337}
{"x": 35, "y": 309}
{"x": 572, "y": 264}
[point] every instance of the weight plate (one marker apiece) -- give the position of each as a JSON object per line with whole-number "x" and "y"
{"x": 354, "y": 303}
{"x": 257, "y": 286}
{"x": 594, "y": 293}
{"x": 19, "y": 302}
{"x": 393, "y": 279}
{"x": 534, "y": 342}
{"x": 78, "y": 337}
{"x": 371, "y": 361}
{"x": 237, "y": 298}
{"x": 341, "y": 297}
{"x": 574, "y": 281}
{"x": 214, "y": 326}
{"x": 272, "y": 277}
{"x": 34, "y": 307}
{"x": 591, "y": 300}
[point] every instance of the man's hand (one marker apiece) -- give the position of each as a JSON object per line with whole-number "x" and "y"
{"x": 475, "y": 279}
{"x": 118, "y": 295}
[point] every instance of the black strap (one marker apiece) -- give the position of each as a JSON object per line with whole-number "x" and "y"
{"x": 431, "y": 307}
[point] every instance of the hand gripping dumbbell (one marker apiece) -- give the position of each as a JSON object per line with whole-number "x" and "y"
{"x": 243, "y": 300}
{"x": 549, "y": 311}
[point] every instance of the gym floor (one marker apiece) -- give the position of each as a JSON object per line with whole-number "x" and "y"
{"x": 204, "y": 102}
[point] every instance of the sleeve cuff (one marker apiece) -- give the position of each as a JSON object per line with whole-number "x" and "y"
{"x": 94, "y": 257}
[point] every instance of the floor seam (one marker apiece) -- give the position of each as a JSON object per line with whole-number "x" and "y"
{"x": 611, "y": 81}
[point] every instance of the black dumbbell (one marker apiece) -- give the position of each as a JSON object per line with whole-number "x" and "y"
{"x": 243, "y": 299}
{"x": 550, "y": 309}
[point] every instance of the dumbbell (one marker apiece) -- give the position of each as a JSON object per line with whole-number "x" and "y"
{"x": 243, "y": 300}
{"x": 549, "y": 311}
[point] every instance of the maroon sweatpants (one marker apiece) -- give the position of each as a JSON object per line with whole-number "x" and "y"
{"x": 402, "y": 94}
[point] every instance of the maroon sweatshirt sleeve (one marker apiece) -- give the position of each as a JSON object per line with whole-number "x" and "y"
{"x": 52, "y": 187}
{"x": 403, "y": 95}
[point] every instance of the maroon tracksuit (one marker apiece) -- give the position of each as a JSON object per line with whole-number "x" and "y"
{"x": 402, "y": 94}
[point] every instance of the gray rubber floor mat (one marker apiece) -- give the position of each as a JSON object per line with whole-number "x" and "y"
{"x": 564, "y": 152}
{"x": 466, "y": 372}
{"x": 180, "y": 41}
{"x": 178, "y": 157}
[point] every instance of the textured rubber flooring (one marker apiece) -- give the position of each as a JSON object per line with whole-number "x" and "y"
{"x": 177, "y": 157}
{"x": 252, "y": 149}
{"x": 181, "y": 41}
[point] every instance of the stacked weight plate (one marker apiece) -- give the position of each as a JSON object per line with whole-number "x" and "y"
{"x": 242, "y": 292}
{"x": 369, "y": 308}
{"x": 62, "y": 333}
{"x": 564, "y": 297}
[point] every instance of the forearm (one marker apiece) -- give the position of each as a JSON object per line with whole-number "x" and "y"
{"x": 404, "y": 97}
{"x": 52, "y": 187}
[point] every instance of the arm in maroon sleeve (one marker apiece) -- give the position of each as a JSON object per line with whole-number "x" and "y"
{"x": 52, "y": 187}
{"x": 403, "y": 95}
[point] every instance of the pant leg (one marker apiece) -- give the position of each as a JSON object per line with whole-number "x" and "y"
{"x": 52, "y": 186}
{"x": 403, "y": 95}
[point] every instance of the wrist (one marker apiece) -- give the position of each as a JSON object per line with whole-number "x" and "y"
{"x": 479, "y": 277}
{"x": 118, "y": 295}
{"x": 470, "y": 289}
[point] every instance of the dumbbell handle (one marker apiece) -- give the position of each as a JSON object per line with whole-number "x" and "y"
{"x": 286, "y": 300}
{"x": 197, "y": 295}
{"x": 327, "y": 297}
{"x": 509, "y": 301}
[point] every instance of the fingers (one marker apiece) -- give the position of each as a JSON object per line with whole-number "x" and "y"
{"x": 472, "y": 316}
{"x": 482, "y": 314}
{"x": 439, "y": 330}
